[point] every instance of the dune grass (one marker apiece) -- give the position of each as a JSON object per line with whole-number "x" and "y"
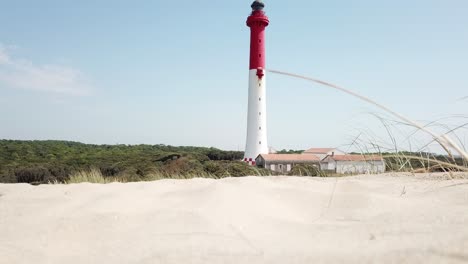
{"x": 95, "y": 176}
{"x": 91, "y": 176}
{"x": 401, "y": 160}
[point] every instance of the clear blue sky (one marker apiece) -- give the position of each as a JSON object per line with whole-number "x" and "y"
{"x": 175, "y": 72}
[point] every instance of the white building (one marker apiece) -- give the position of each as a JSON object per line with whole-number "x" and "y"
{"x": 323, "y": 152}
{"x": 285, "y": 162}
{"x": 350, "y": 164}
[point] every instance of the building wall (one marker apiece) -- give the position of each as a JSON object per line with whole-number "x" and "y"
{"x": 328, "y": 165}
{"x": 280, "y": 167}
{"x": 344, "y": 167}
{"x": 260, "y": 162}
{"x": 341, "y": 167}
{"x": 284, "y": 166}
{"x": 323, "y": 165}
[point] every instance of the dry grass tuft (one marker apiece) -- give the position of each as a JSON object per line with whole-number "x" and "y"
{"x": 90, "y": 176}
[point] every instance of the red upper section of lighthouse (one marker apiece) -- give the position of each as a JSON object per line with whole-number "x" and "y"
{"x": 257, "y": 22}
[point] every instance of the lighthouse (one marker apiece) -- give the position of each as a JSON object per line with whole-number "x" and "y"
{"x": 256, "y": 117}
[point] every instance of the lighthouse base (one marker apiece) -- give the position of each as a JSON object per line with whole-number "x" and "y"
{"x": 250, "y": 161}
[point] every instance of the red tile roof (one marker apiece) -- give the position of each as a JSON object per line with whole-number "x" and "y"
{"x": 355, "y": 157}
{"x": 319, "y": 150}
{"x": 290, "y": 157}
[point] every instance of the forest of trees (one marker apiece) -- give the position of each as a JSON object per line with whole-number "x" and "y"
{"x": 55, "y": 161}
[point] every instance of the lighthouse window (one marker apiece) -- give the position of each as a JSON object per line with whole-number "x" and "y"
{"x": 260, "y": 142}
{"x": 259, "y": 41}
{"x": 260, "y": 128}
{"x": 259, "y": 113}
{"x": 259, "y": 98}
{"x": 259, "y": 55}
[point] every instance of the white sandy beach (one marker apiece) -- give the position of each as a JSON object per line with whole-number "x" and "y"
{"x": 363, "y": 219}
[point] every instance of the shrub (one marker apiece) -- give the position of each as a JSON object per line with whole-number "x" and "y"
{"x": 8, "y": 177}
{"x": 34, "y": 175}
{"x": 109, "y": 170}
{"x": 59, "y": 173}
{"x": 305, "y": 170}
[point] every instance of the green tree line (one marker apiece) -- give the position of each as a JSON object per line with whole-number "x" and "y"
{"x": 54, "y": 161}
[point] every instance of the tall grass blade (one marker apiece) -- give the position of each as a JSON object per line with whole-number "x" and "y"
{"x": 444, "y": 141}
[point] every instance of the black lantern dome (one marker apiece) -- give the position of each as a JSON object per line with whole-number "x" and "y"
{"x": 257, "y": 5}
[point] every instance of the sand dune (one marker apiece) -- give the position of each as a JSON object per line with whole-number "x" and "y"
{"x": 362, "y": 219}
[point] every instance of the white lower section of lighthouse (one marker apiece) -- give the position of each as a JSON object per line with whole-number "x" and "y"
{"x": 256, "y": 119}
